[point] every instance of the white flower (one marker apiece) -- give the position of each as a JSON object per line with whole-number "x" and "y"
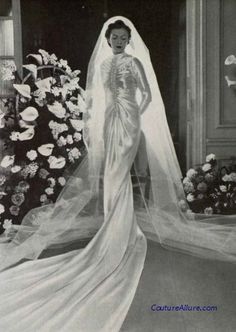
{"x": 57, "y": 128}
{"x": 56, "y": 163}
{"x": 208, "y": 210}
{"x": 29, "y": 114}
{"x": 78, "y": 125}
{"x": 229, "y": 81}
{"x": 7, "y": 224}
{"x": 23, "y": 89}
{"x": 8, "y": 161}
{"x": 223, "y": 188}
{"x": 191, "y": 173}
{"x": 188, "y": 187}
{"x": 210, "y": 157}
{"x": 15, "y": 169}
{"x": 53, "y": 59}
{"x": 40, "y": 94}
{"x": 233, "y": 176}
{"x": 57, "y": 109}
{"x": 206, "y": 167}
{"x": 31, "y": 155}
{"x": 69, "y": 139}
{"x": 73, "y": 84}
{"x": 49, "y": 191}
{"x": 190, "y": 198}
{"x": 43, "y": 198}
{"x": 14, "y": 135}
{"x": 27, "y": 134}
{"x": 45, "y": 56}
{"x": 231, "y": 59}
{"x": 2, "y": 208}
{"x": 75, "y": 73}
{"x": 77, "y": 137}
{"x": 43, "y": 173}
{"x": 63, "y": 63}
{"x": 30, "y": 170}
{"x": 24, "y": 124}
{"x": 226, "y": 178}
{"x": 73, "y": 108}
{"x": 45, "y": 84}
{"x": 56, "y": 91}
{"x": 190, "y": 214}
{"x": 37, "y": 57}
{"x": 74, "y": 154}
{"x": 183, "y": 205}
{"x": 186, "y": 180}
{"x": 61, "y": 141}
{"x": 62, "y": 181}
{"x": 46, "y": 149}
{"x": 52, "y": 182}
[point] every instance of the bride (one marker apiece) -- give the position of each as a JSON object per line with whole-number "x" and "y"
{"x": 91, "y": 289}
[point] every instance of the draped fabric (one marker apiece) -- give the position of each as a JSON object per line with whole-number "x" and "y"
{"x": 113, "y": 196}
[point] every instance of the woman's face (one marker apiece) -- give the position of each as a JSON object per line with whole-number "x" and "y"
{"x": 119, "y": 39}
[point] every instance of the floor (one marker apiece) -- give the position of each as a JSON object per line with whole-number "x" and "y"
{"x": 171, "y": 278}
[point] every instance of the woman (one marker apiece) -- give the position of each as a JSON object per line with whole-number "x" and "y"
{"x": 92, "y": 289}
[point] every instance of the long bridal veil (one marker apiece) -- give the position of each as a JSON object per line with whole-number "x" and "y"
{"x": 78, "y": 213}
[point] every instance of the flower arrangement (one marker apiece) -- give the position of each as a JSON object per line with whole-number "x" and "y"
{"x": 41, "y": 130}
{"x": 230, "y": 60}
{"x": 210, "y": 189}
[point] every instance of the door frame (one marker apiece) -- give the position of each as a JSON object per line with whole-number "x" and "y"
{"x": 195, "y": 82}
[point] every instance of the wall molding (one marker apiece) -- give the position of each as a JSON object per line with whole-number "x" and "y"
{"x": 196, "y": 63}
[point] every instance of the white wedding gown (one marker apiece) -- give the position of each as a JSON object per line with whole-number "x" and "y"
{"x": 90, "y": 289}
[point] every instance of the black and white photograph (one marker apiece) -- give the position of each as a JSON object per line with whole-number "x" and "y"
{"x": 117, "y": 165}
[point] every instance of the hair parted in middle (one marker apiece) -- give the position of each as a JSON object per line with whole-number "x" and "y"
{"x": 119, "y": 24}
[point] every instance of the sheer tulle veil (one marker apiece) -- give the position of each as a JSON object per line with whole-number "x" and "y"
{"x": 77, "y": 213}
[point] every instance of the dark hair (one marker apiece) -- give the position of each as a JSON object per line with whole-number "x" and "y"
{"x": 119, "y": 24}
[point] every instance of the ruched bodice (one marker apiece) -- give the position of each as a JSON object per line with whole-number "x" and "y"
{"x": 120, "y": 79}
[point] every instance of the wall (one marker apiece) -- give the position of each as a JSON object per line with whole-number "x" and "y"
{"x": 211, "y": 117}
{"x": 70, "y": 29}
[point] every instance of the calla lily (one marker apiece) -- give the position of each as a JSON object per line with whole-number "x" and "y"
{"x": 29, "y": 114}
{"x": 33, "y": 69}
{"x": 57, "y": 109}
{"x": 37, "y": 57}
{"x": 23, "y": 89}
{"x": 24, "y": 124}
{"x": 229, "y": 82}
{"x": 27, "y": 134}
{"x": 231, "y": 59}
{"x": 8, "y": 161}
{"x": 78, "y": 125}
{"x": 15, "y": 169}
{"x": 56, "y": 163}
{"x": 44, "y": 85}
{"x": 46, "y": 149}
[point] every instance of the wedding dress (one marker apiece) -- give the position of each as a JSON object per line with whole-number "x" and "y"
{"x": 91, "y": 289}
